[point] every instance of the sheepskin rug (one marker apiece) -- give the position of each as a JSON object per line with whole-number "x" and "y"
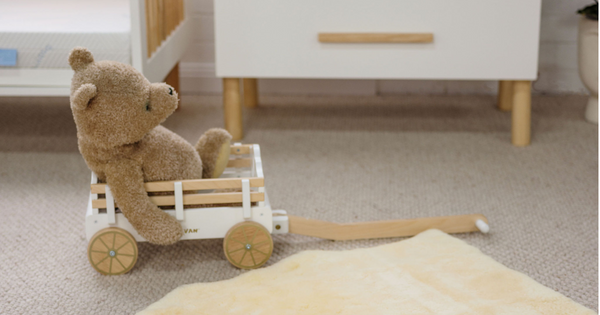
{"x": 431, "y": 273}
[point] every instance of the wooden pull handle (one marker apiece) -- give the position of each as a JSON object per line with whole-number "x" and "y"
{"x": 375, "y": 37}
{"x": 380, "y": 229}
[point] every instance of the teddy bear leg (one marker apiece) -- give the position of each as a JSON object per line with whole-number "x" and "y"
{"x": 126, "y": 182}
{"x": 214, "y": 148}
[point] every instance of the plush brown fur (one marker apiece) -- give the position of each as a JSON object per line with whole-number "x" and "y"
{"x": 118, "y": 115}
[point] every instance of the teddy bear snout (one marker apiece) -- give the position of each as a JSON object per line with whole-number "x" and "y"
{"x": 163, "y": 97}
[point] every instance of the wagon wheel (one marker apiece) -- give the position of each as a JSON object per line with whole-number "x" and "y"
{"x": 248, "y": 245}
{"x": 112, "y": 251}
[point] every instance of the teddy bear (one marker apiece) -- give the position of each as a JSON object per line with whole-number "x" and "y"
{"x": 118, "y": 113}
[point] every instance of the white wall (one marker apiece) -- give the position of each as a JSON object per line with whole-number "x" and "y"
{"x": 557, "y": 62}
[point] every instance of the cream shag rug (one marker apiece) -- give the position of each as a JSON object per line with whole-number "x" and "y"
{"x": 431, "y": 273}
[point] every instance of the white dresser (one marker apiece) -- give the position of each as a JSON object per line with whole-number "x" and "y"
{"x": 379, "y": 39}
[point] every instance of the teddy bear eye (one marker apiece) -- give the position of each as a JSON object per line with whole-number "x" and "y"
{"x": 148, "y": 106}
{"x": 170, "y": 91}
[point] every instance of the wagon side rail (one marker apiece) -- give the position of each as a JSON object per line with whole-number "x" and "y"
{"x": 193, "y": 184}
{"x": 244, "y": 159}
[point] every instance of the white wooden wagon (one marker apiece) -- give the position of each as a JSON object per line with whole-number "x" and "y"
{"x": 234, "y": 207}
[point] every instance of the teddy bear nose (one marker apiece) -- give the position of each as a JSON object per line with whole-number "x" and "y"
{"x": 170, "y": 91}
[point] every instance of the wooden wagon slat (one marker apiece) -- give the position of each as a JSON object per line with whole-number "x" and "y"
{"x": 240, "y": 163}
{"x": 192, "y": 184}
{"x": 194, "y": 199}
{"x": 240, "y": 149}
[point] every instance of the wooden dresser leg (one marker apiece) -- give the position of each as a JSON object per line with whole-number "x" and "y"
{"x": 521, "y": 113}
{"x": 505, "y": 95}
{"x": 172, "y": 79}
{"x": 232, "y": 107}
{"x": 250, "y": 93}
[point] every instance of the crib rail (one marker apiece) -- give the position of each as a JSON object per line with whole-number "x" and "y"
{"x": 162, "y": 18}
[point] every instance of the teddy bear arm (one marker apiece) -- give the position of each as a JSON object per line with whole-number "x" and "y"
{"x": 126, "y": 181}
{"x": 167, "y": 156}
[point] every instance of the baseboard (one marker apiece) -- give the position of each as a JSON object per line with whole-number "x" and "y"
{"x": 197, "y": 70}
{"x": 200, "y": 78}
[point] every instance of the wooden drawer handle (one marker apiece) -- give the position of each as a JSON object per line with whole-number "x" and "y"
{"x": 375, "y": 37}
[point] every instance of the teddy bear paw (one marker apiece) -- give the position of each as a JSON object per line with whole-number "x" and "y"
{"x": 163, "y": 232}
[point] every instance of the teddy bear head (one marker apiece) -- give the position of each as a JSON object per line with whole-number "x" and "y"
{"x": 113, "y": 104}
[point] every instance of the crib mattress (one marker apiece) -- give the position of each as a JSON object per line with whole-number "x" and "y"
{"x": 44, "y": 32}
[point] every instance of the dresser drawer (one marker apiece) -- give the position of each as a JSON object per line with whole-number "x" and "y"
{"x": 434, "y": 39}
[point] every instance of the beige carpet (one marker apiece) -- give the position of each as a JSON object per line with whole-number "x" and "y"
{"x": 330, "y": 158}
{"x": 431, "y": 273}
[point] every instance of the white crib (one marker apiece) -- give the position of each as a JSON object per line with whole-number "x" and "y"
{"x": 151, "y": 35}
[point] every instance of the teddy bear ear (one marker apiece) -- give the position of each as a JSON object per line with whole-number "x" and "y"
{"x": 81, "y": 98}
{"x": 80, "y": 57}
